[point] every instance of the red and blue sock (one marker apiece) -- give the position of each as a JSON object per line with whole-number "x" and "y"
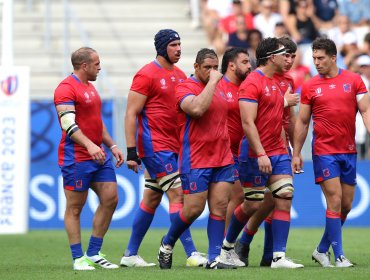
{"x": 94, "y": 246}
{"x": 142, "y": 221}
{"x": 268, "y": 241}
{"x": 178, "y": 225}
{"x": 215, "y": 232}
{"x": 237, "y": 222}
{"x": 76, "y": 250}
{"x": 280, "y": 230}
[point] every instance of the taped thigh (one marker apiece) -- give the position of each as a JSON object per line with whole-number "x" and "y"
{"x": 153, "y": 185}
{"x": 169, "y": 181}
{"x": 253, "y": 194}
{"x": 282, "y": 186}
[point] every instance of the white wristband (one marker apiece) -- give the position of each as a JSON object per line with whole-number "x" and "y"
{"x": 113, "y": 146}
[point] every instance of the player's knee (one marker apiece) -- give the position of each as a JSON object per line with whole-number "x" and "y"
{"x": 169, "y": 181}
{"x": 252, "y": 194}
{"x": 282, "y": 189}
{"x": 74, "y": 210}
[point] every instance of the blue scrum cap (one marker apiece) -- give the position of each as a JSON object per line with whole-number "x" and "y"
{"x": 163, "y": 38}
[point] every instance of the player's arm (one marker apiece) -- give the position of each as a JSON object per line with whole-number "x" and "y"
{"x": 135, "y": 104}
{"x": 196, "y": 106}
{"x": 248, "y": 114}
{"x": 300, "y": 133}
{"x": 363, "y": 103}
{"x": 292, "y": 121}
{"x": 108, "y": 141}
{"x": 67, "y": 116}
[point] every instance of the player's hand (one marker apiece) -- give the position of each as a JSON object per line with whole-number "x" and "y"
{"x": 133, "y": 161}
{"x": 297, "y": 164}
{"x": 215, "y": 76}
{"x": 96, "y": 153}
{"x": 291, "y": 98}
{"x": 118, "y": 156}
{"x": 264, "y": 164}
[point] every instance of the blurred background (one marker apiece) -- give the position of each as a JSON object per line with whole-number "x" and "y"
{"x": 38, "y": 37}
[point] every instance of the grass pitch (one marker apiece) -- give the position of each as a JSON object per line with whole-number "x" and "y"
{"x": 46, "y": 255}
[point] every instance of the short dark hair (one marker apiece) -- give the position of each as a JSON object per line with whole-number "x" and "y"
{"x": 265, "y": 47}
{"x": 205, "y": 53}
{"x": 325, "y": 44}
{"x": 231, "y": 55}
{"x": 80, "y": 56}
{"x": 288, "y": 43}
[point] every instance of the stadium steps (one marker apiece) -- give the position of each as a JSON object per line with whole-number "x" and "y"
{"x": 121, "y": 31}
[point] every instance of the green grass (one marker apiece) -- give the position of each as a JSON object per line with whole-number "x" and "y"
{"x": 46, "y": 255}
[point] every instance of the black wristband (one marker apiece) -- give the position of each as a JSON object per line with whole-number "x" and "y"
{"x": 132, "y": 155}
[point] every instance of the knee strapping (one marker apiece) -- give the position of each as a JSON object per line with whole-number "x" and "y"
{"x": 169, "y": 181}
{"x": 153, "y": 185}
{"x": 282, "y": 186}
{"x": 252, "y": 194}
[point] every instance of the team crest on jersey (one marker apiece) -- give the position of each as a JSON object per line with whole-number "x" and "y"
{"x": 87, "y": 97}
{"x": 326, "y": 172}
{"x": 193, "y": 186}
{"x": 257, "y": 180}
{"x": 267, "y": 91}
{"x": 347, "y": 87}
{"x": 332, "y": 86}
{"x": 169, "y": 167}
{"x": 78, "y": 184}
{"x": 163, "y": 83}
{"x": 351, "y": 147}
{"x": 318, "y": 92}
{"x": 229, "y": 97}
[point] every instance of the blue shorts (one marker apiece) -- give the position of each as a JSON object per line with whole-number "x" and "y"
{"x": 250, "y": 176}
{"x": 339, "y": 165}
{"x": 80, "y": 175}
{"x": 236, "y": 168}
{"x": 161, "y": 164}
{"x": 199, "y": 179}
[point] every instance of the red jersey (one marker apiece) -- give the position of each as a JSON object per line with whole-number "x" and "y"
{"x": 334, "y": 107}
{"x": 87, "y": 104}
{"x": 269, "y": 121}
{"x": 157, "y": 128}
{"x": 234, "y": 123}
{"x": 204, "y": 142}
{"x": 228, "y": 24}
{"x": 285, "y": 81}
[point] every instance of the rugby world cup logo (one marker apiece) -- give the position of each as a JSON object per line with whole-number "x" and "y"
{"x": 9, "y": 85}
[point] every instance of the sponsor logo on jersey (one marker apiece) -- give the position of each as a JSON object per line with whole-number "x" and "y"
{"x": 92, "y": 93}
{"x": 332, "y": 86}
{"x": 267, "y": 91}
{"x": 87, "y": 97}
{"x": 193, "y": 186}
{"x": 163, "y": 83}
{"x": 222, "y": 94}
{"x": 9, "y": 85}
{"x": 173, "y": 79}
{"x": 347, "y": 87}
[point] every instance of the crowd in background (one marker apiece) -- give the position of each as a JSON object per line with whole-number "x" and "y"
{"x": 238, "y": 23}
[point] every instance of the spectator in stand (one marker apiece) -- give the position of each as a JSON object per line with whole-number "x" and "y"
{"x": 366, "y": 44}
{"x": 239, "y": 37}
{"x": 254, "y": 38}
{"x": 280, "y": 30}
{"x": 299, "y": 72}
{"x": 350, "y": 48}
{"x": 228, "y": 24}
{"x": 300, "y": 25}
{"x": 358, "y": 11}
{"x": 325, "y": 11}
{"x": 212, "y": 12}
{"x": 266, "y": 20}
{"x": 341, "y": 28}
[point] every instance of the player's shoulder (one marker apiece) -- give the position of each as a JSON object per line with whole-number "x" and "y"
{"x": 349, "y": 74}
{"x": 67, "y": 83}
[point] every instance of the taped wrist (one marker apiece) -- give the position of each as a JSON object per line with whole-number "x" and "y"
{"x": 132, "y": 155}
{"x": 67, "y": 121}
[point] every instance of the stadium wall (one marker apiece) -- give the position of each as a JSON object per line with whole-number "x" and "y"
{"x": 47, "y": 202}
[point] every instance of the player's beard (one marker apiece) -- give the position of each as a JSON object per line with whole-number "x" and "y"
{"x": 241, "y": 75}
